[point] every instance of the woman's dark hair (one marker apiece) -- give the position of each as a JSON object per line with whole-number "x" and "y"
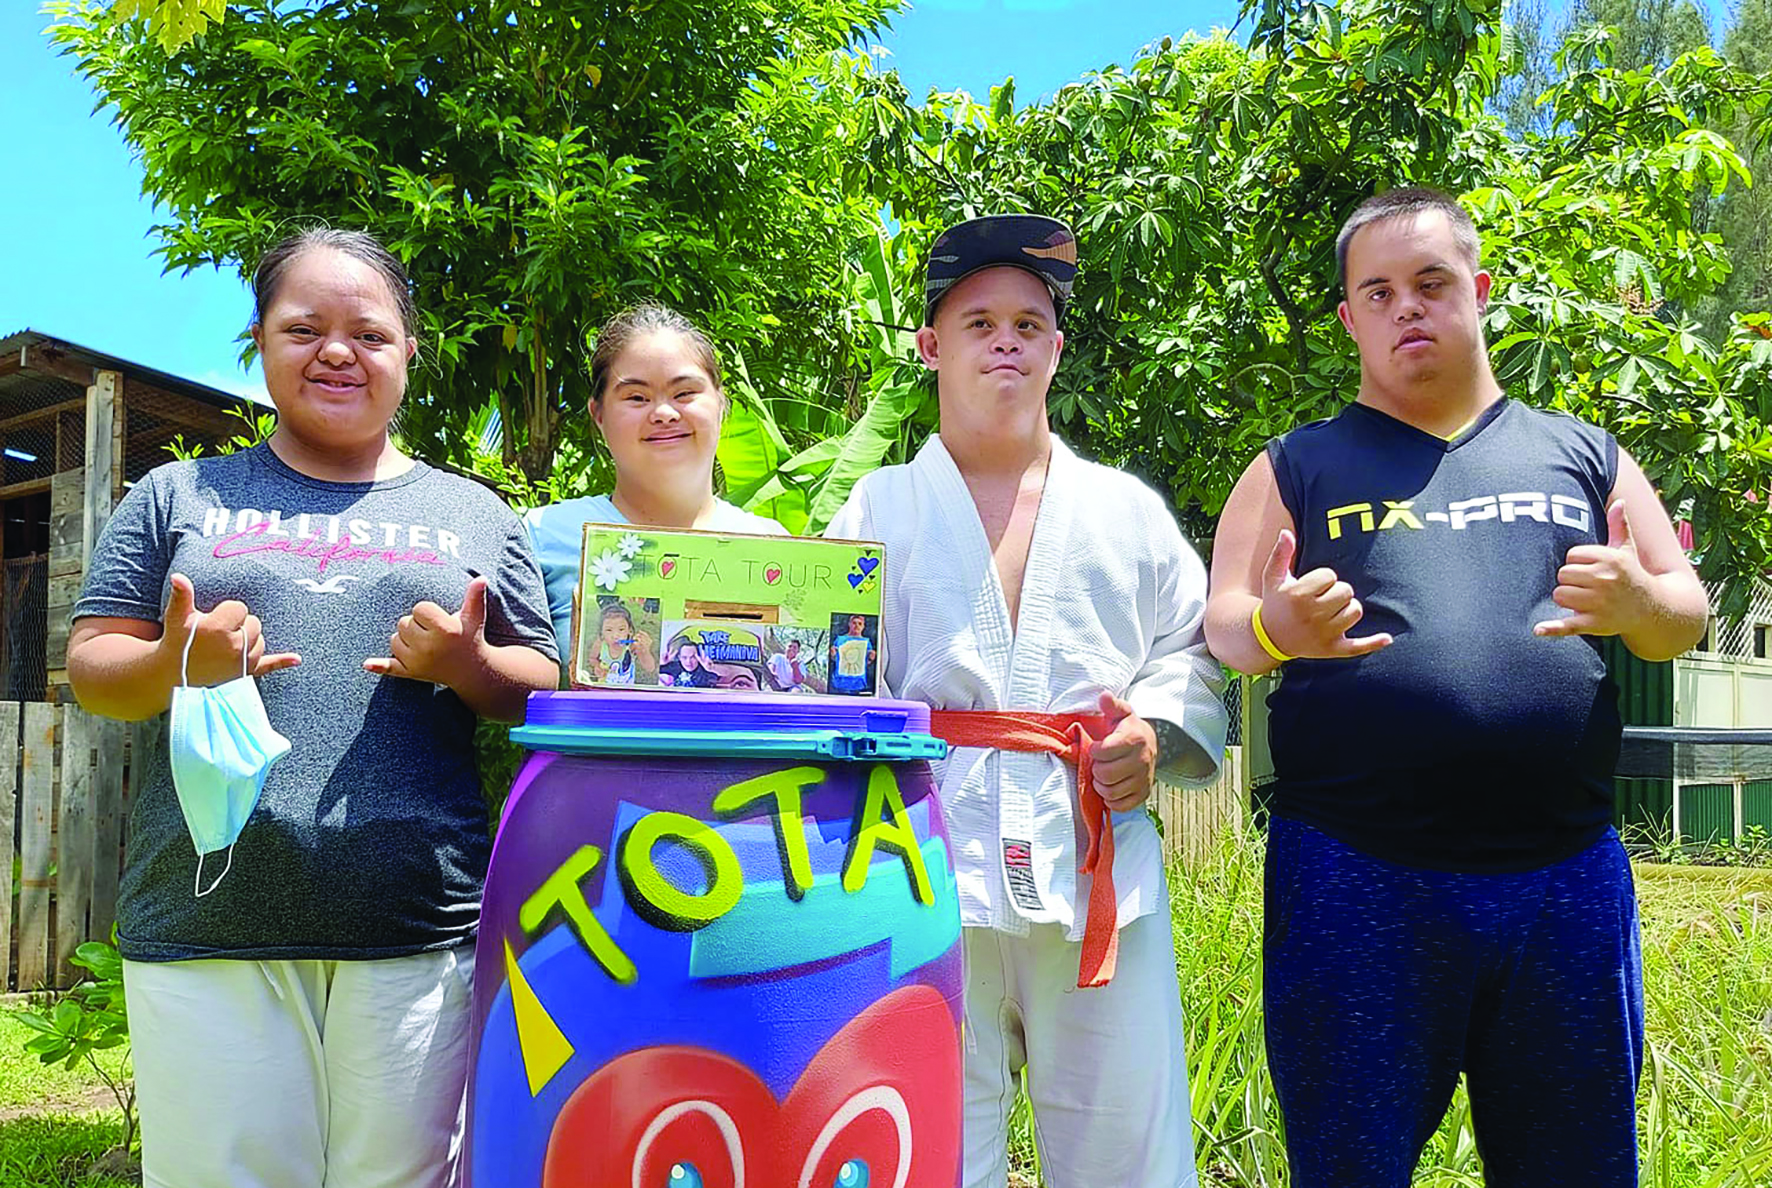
{"x": 359, "y": 245}
{"x": 648, "y": 317}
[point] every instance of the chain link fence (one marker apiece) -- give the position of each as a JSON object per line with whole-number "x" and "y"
{"x": 1746, "y": 638}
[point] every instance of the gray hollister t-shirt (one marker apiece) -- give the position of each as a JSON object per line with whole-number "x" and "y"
{"x": 370, "y": 839}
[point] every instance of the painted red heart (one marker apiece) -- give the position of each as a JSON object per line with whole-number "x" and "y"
{"x": 667, "y": 567}
{"x": 884, "y": 1093}
{"x": 772, "y": 574}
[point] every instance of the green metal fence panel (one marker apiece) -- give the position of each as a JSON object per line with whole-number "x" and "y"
{"x": 1258, "y": 760}
{"x": 1645, "y": 698}
{"x": 1707, "y": 813}
{"x": 1756, "y": 804}
{"x": 1645, "y": 688}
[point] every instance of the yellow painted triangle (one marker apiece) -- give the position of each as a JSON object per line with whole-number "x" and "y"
{"x": 544, "y": 1046}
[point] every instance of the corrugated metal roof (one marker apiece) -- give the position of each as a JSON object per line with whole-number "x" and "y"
{"x": 28, "y": 340}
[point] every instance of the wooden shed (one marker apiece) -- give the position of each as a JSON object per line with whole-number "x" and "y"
{"x": 78, "y": 427}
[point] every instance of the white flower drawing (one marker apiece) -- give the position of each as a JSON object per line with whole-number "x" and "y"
{"x": 609, "y": 568}
{"x": 630, "y": 544}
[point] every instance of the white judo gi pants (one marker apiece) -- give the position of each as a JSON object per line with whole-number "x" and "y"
{"x": 300, "y": 1074}
{"x": 1107, "y": 1075}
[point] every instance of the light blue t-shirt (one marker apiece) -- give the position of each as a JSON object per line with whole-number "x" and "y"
{"x": 556, "y": 535}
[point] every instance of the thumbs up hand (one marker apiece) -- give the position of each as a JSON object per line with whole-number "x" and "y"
{"x": 430, "y": 644}
{"x": 1605, "y": 586}
{"x": 1310, "y": 616}
{"x": 222, "y": 636}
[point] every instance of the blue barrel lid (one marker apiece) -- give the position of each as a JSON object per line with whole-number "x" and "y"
{"x": 715, "y": 724}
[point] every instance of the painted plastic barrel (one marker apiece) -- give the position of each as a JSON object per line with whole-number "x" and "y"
{"x": 720, "y": 948}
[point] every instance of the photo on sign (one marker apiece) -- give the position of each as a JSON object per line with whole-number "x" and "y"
{"x": 780, "y": 601}
{"x": 619, "y": 646}
{"x": 854, "y": 653}
{"x": 712, "y": 654}
{"x": 795, "y": 659}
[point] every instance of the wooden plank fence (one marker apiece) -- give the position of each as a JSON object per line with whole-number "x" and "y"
{"x": 1195, "y": 818}
{"x": 64, "y": 792}
{"x": 9, "y": 726}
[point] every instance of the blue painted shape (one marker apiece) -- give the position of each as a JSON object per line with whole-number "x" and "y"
{"x": 767, "y": 931}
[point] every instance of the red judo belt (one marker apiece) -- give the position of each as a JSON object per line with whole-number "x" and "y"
{"x": 1067, "y": 736}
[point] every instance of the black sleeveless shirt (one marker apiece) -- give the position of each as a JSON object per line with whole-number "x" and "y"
{"x": 1468, "y": 744}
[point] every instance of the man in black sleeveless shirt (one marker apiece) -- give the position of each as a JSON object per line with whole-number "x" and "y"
{"x": 1445, "y": 891}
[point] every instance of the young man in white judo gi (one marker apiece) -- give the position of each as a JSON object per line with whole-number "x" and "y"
{"x": 1050, "y": 611}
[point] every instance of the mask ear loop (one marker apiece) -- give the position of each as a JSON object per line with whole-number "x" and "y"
{"x": 184, "y": 662}
{"x": 197, "y": 887}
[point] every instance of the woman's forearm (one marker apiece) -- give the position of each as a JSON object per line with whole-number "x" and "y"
{"x": 121, "y": 676}
{"x": 499, "y": 687}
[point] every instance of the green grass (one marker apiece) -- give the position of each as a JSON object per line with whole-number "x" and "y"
{"x": 1705, "y": 1110}
{"x": 55, "y": 1151}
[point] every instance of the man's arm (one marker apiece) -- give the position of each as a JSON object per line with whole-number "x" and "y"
{"x": 1252, "y": 520}
{"x": 1308, "y": 616}
{"x": 1638, "y": 585}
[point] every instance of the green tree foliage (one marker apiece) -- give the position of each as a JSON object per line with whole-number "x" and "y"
{"x": 1531, "y": 37}
{"x": 1645, "y": 33}
{"x": 93, "y": 1017}
{"x": 172, "y": 23}
{"x": 1598, "y": 235}
{"x": 1744, "y": 218}
{"x": 1207, "y": 180}
{"x": 537, "y": 165}
{"x": 1651, "y": 34}
{"x": 541, "y": 164}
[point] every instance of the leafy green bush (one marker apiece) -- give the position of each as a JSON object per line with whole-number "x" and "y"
{"x": 91, "y": 1018}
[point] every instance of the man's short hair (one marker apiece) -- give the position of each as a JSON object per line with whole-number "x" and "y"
{"x": 1402, "y": 202}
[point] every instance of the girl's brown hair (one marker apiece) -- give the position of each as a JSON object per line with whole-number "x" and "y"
{"x": 648, "y": 317}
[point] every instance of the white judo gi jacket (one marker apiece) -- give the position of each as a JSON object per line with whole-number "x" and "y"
{"x": 1113, "y": 600}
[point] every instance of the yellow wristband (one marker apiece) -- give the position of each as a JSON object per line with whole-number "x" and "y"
{"x": 1261, "y": 637}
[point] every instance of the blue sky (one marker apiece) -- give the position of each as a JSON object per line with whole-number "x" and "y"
{"x": 78, "y": 262}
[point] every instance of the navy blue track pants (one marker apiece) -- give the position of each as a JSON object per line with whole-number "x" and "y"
{"x": 1383, "y": 982}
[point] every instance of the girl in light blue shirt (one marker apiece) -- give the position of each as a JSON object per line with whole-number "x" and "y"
{"x": 657, "y": 401}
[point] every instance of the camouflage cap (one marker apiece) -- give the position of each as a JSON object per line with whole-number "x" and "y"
{"x": 1035, "y": 243}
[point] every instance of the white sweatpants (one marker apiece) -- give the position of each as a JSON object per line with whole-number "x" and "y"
{"x": 1107, "y": 1075}
{"x": 300, "y": 1074}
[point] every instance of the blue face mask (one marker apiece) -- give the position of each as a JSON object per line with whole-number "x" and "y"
{"x": 221, "y": 746}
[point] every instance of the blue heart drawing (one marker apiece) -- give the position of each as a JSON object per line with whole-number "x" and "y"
{"x": 855, "y": 580}
{"x": 867, "y": 565}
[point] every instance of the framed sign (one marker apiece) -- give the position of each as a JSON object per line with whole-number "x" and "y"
{"x": 681, "y": 609}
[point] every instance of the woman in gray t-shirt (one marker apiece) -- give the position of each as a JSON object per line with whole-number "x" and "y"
{"x": 299, "y": 1007}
